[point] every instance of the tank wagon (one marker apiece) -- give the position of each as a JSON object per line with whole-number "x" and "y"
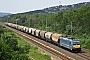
{"x": 56, "y": 38}
{"x": 30, "y": 30}
{"x": 37, "y": 33}
{"x": 14, "y": 26}
{"x": 48, "y": 36}
{"x": 18, "y": 27}
{"x": 33, "y": 32}
{"x": 21, "y": 28}
{"x": 42, "y": 34}
{"x": 26, "y": 29}
{"x": 72, "y": 44}
{"x": 9, "y": 24}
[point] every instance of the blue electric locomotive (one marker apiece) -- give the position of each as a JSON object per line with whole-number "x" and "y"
{"x": 70, "y": 43}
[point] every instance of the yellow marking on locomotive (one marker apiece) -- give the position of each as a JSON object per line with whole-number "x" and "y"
{"x": 76, "y": 46}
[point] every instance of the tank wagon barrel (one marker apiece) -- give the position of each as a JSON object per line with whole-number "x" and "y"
{"x": 42, "y": 34}
{"x": 56, "y": 38}
{"x": 21, "y": 28}
{"x": 48, "y": 36}
{"x": 30, "y": 30}
{"x": 37, "y": 33}
{"x": 33, "y": 31}
{"x": 26, "y": 29}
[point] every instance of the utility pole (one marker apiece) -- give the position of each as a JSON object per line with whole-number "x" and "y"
{"x": 71, "y": 27}
{"x": 7, "y": 20}
{"x": 16, "y": 20}
{"x": 29, "y": 22}
{"x": 46, "y": 24}
{"x": 13, "y": 22}
{"x": 21, "y": 21}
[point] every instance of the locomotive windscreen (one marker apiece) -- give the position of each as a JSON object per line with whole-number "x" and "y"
{"x": 76, "y": 42}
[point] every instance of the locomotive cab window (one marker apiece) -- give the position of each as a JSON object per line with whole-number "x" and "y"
{"x": 70, "y": 42}
{"x": 76, "y": 42}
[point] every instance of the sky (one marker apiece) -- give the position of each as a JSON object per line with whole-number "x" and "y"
{"x": 19, "y": 6}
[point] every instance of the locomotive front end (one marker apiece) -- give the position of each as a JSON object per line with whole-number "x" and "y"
{"x": 76, "y": 45}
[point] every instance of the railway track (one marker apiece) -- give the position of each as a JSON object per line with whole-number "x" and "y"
{"x": 84, "y": 54}
{"x": 45, "y": 47}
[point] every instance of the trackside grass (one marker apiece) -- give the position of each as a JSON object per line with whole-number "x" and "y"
{"x": 33, "y": 54}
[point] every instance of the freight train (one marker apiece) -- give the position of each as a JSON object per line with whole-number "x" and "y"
{"x": 69, "y": 43}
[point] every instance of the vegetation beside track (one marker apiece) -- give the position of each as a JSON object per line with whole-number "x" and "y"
{"x": 13, "y": 47}
{"x": 34, "y": 54}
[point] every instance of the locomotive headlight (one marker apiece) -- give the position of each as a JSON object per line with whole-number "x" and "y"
{"x": 76, "y": 46}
